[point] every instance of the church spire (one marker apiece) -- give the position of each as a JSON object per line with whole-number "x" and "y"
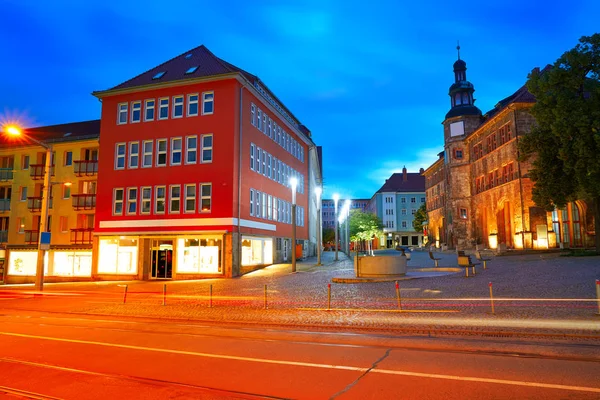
{"x": 461, "y": 91}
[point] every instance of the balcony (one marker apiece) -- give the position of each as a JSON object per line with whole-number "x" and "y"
{"x": 81, "y": 236}
{"x": 85, "y": 167}
{"x": 31, "y": 236}
{"x": 34, "y": 204}
{"x": 3, "y": 236}
{"x": 6, "y": 174}
{"x": 4, "y": 205}
{"x": 36, "y": 171}
{"x": 84, "y": 201}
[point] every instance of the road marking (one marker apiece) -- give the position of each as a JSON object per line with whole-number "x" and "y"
{"x": 26, "y": 394}
{"x": 377, "y": 310}
{"x": 315, "y": 365}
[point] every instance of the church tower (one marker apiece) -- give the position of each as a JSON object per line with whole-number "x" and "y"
{"x": 462, "y": 120}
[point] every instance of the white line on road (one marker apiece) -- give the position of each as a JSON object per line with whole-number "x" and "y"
{"x": 315, "y": 365}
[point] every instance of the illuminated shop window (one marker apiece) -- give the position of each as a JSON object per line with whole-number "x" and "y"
{"x": 198, "y": 256}
{"x": 257, "y": 251}
{"x": 24, "y": 263}
{"x": 118, "y": 256}
{"x": 71, "y": 263}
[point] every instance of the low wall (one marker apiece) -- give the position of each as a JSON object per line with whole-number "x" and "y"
{"x": 379, "y": 266}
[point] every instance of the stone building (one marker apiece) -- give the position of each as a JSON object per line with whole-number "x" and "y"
{"x": 480, "y": 194}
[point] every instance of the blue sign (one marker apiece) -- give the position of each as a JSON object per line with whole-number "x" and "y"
{"x": 45, "y": 238}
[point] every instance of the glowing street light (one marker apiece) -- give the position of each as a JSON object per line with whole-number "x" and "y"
{"x": 293, "y": 184}
{"x": 318, "y": 192}
{"x": 347, "y": 209}
{"x": 336, "y": 198}
{"x": 14, "y": 130}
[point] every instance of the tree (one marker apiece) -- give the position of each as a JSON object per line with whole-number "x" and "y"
{"x": 364, "y": 226}
{"x": 328, "y": 235}
{"x": 419, "y": 218}
{"x": 566, "y": 140}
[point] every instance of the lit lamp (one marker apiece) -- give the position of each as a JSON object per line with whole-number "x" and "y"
{"x": 347, "y": 209}
{"x": 493, "y": 241}
{"x": 336, "y": 198}
{"x": 42, "y": 247}
{"x": 293, "y": 184}
{"x": 318, "y": 192}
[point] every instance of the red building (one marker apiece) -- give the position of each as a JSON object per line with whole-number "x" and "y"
{"x": 195, "y": 179}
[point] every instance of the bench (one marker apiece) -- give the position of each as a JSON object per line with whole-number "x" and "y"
{"x": 435, "y": 260}
{"x": 483, "y": 260}
{"x": 466, "y": 263}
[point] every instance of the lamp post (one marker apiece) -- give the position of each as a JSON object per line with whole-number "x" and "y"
{"x": 336, "y": 198}
{"x": 347, "y": 208}
{"x": 39, "y": 271}
{"x": 293, "y": 184}
{"x": 318, "y": 191}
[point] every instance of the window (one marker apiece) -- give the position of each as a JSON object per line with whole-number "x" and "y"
{"x": 404, "y": 211}
{"x": 159, "y": 75}
{"x": 259, "y": 120}
{"x": 66, "y": 191}
{"x": 269, "y": 166}
{"x": 263, "y": 169}
{"x": 252, "y": 149}
{"x": 192, "y": 110}
{"x": 177, "y": 106}
{"x": 257, "y": 205}
{"x": 207, "y": 147}
{"x": 149, "y": 114}
{"x": 269, "y": 125}
{"x": 264, "y": 205}
{"x": 24, "y": 162}
{"x": 163, "y": 108}
{"x": 161, "y": 152}
{"x": 403, "y": 200}
{"x": 422, "y": 200}
{"x": 118, "y": 202}
{"x": 122, "y": 118}
{"x": 68, "y": 158}
{"x": 208, "y": 100}
{"x": 147, "y": 154}
{"x": 131, "y": 200}
{"x": 253, "y": 114}
{"x": 20, "y": 225}
{"x": 146, "y": 200}
{"x": 403, "y": 224}
{"x": 159, "y": 199}
{"x": 190, "y": 198}
{"x": 269, "y": 207}
{"x": 413, "y": 211}
{"x": 275, "y": 203}
{"x": 175, "y": 199}
{"x": 251, "y": 201}
{"x": 462, "y": 212}
{"x": 134, "y": 154}
{"x": 23, "y": 193}
{"x": 205, "y": 197}
{"x": 264, "y": 124}
{"x": 176, "y": 151}
{"x": 64, "y": 224}
{"x": 458, "y": 154}
{"x": 257, "y": 164}
{"x": 191, "y": 149}
{"x": 413, "y": 199}
{"x": 136, "y": 111}
{"x": 120, "y": 156}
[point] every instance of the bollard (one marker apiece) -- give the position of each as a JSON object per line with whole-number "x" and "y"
{"x": 598, "y": 294}
{"x": 398, "y": 296}
{"x": 165, "y": 295}
{"x": 491, "y": 297}
{"x": 125, "y": 295}
{"x": 265, "y": 297}
{"x": 210, "y": 297}
{"x": 329, "y": 296}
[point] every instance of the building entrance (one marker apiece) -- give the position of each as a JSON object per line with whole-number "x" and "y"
{"x": 162, "y": 259}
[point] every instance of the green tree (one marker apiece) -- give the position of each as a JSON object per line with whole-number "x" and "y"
{"x": 565, "y": 142}
{"x": 419, "y": 218}
{"x": 364, "y": 226}
{"x": 328, "y": 235}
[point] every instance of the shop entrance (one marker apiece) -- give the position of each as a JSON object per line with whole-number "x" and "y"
{"x": 162, "y": 259}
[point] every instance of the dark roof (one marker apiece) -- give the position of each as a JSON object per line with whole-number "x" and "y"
{"x": 58, "y": 133}
{"x": 415, "y": 182}
{"x": 463, "y": 110}
{"x": 175, "y": 69}
{"x": 460, "y": 65}
{"x": 522, "y": 95}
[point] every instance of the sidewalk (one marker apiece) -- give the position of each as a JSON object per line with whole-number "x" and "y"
{"x": 534, "y": 294}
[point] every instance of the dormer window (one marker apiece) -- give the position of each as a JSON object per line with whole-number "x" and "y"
{"x": 159, "y": 75}
{"x": 191, "y": 70}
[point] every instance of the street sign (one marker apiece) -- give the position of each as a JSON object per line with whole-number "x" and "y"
{"x": 45, "y": 241}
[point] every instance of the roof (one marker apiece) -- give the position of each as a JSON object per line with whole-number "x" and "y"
{"x": 522, "y": 95}
{"x": 176, "y": 69}
{"x": 58, "y": 133}
{"x": 415, "y": 182}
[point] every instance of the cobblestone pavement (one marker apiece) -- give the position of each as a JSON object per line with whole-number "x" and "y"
{"x": 532, "y": 292}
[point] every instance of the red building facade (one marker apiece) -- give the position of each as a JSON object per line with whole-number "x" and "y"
{"x": 197, "y": 181}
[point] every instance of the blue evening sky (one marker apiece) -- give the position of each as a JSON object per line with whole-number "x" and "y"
{"x": 369, "y": 79}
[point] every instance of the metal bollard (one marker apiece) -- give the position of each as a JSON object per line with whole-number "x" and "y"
{"x": 398, "y": 296}
{"x": 329, "y": 296}
{"x": 491, "y": 297}
{"x": 210, "y": 302}
{"x": 265, "y": 297}
{"x": 598, "y": 294}
{"x": 125, "y": 295}
{"x": 165, "y": 295}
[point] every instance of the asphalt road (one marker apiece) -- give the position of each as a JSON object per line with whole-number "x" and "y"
{"x": 70, "y": 357}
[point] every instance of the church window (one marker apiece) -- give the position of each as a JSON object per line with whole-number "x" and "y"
{"x": 463, "y": 213}
{"x": 465, "y": 98}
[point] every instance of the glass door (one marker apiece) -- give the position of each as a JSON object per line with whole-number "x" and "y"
{"x": 162, "y": 259}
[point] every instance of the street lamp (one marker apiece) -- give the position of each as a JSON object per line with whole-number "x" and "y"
{"x": 39, "y": 271}
{"x": 293, "y": 184}
{"x": 336, "y": 198}
{"x": 347, "y": 209}
{"x": 318, "y": 191}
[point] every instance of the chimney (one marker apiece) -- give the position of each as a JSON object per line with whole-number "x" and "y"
{"x": 421, "y": 170}
{"x": 404, "y": 174}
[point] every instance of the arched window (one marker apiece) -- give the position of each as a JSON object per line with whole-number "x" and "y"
{"x": 465, "y": 98}
{"x": 457, "y": 99}
{"x": 575, "y": 216}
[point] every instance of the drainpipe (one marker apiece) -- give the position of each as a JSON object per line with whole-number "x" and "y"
{"x": 239, "y": 213}
{"x": 520, "y": 183}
